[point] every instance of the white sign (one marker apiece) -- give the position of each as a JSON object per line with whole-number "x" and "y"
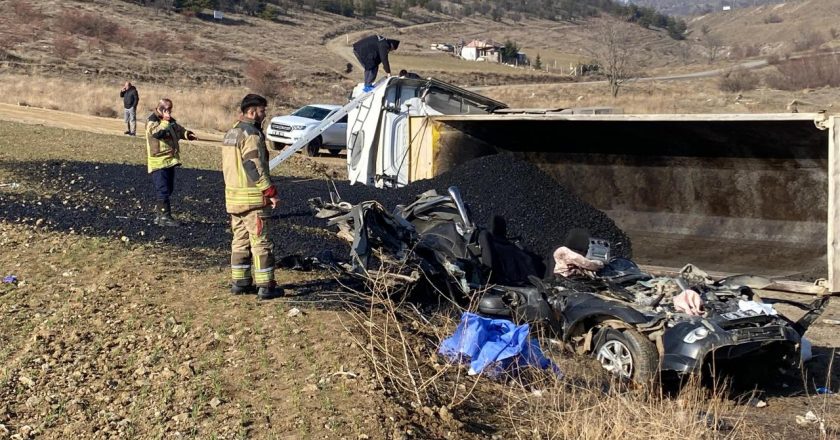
{"x": 218, "y": 15}
{"x": 727, "y": 8}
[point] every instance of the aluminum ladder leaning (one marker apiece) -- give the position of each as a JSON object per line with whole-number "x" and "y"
{"x": 326, "y": 123}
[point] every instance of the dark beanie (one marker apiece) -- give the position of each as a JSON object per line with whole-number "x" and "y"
{"x": 252, "y": 100}
{"x": 578, "y": 240}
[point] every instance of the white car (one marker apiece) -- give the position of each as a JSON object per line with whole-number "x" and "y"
{"x": 285, "y": 130}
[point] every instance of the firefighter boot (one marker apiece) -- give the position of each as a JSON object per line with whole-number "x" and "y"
{"x": 270, "y": 292}
{"x": 164, "y": 216}
{"x": 239, "y": 289}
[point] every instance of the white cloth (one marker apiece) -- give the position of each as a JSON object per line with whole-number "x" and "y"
{"x": 761, "y": 309}
{"x": 568, "y": 262}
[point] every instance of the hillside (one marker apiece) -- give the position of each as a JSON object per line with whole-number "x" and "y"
{"x": 697, "y": 7}
{"x": 86, "y": 49}
{"x": 794, "y": 26}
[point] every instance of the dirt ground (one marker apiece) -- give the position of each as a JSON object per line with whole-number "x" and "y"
{"x": 117, "y": 329}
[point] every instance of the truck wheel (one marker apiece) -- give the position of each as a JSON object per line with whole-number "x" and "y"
{"x": 627, "y": 354}
{"x": 335, "y": 152}
{"x": 314, "y": 147}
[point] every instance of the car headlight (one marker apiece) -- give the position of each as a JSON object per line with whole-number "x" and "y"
{"x": 298, "y": 127}
{"x": 696, "y": 335}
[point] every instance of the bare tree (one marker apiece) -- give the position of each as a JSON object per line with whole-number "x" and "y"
{"x": 614, "y": 52}
{"x": 713, "y": 46}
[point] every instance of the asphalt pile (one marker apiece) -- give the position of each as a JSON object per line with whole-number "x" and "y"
{"x": 116, "y": 200}
{"x": 539, "y": 211}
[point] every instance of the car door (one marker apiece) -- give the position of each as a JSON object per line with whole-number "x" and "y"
{"x": 336, "y": 134}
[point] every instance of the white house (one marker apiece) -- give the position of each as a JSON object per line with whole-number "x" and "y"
{"x": 477, "y": 50}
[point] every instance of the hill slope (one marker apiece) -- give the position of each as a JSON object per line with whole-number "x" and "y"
{"x": 793, "y": 26}
{"x": 694, "y": 7}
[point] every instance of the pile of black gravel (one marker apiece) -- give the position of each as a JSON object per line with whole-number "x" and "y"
{"x": 115, "y": 200}
{"x": 538, "y": 210}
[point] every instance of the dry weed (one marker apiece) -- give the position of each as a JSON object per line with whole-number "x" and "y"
{"x": 207, "y": 107}
{"x": 88, "y": 24}
{"x": 64, "y": 47}
{"x": 805, "y": 73}
{"x": 739, "y": 80}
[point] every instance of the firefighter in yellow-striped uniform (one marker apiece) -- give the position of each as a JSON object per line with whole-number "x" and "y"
{"x": 249, "y": 198}
{"x": 163, "y": 134}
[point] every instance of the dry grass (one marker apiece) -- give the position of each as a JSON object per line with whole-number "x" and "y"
{"x": 209, "y": 107}
{"x": 667, "y": 97}
{"x": 804, "y": 73}
{"x": 794, "y": 25}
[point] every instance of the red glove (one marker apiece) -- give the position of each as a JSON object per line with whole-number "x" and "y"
{"x": 270, "y": 192}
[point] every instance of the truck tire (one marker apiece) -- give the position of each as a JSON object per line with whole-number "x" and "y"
{"x": 335, "y": 151}
{"x": 627, "y": 354}
{"x": 314, "y": 147}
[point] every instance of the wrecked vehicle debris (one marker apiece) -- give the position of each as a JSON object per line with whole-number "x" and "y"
{"x": 627, "y": 319}
{"x": 622, "y": 316}
{"x": 433, "y": 239}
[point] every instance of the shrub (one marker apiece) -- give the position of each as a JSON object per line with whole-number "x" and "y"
{"x": 104, "y": 111}
{"x": 806, "y": 73}
{"x": 155, "y": 42}
{"x": 264, "y": 78}
{"x": 740, "y": 80}
{"x": 808, "y": 41}
{"x": 64, "y": 47}
{"x": 88, "y": 24}
{"x": 25, "y": 12}
{"x": 772, "y": 19}
{"x": 745, "y": 51}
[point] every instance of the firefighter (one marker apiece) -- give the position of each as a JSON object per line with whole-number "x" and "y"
{"x": 163, "y": 134}
{"x": 249, "y": 198}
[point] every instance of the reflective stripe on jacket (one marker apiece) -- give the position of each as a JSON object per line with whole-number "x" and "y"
{"x": 245, "y": 167}
{"x": 162, "y": 143}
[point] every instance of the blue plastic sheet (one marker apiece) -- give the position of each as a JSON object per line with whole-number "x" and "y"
{"x": 495, "y": 343}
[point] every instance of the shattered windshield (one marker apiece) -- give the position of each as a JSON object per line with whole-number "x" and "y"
{"x": 312, "y": 112}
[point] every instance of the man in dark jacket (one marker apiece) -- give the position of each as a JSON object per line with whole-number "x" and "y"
{"x": 130, "y": 100}
{"x": 371, "y": 52}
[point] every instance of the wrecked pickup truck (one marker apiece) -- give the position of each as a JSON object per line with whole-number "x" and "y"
{"x": 622, "y": 316}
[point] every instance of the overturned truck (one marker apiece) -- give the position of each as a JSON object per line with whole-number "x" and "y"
{"x": 731, "y": 193}
{"x": 734, "y": 193}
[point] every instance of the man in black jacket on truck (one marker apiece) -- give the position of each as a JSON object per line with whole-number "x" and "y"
{"x": 130, "y": 100}
{"x": 372, "y": 51}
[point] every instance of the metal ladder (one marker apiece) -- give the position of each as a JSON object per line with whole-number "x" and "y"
{"x": 327, "y": 122}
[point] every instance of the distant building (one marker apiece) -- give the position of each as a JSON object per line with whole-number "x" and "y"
{"x": 478, "y": 50}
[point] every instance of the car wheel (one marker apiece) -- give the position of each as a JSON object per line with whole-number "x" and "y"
{"x": 627, "y": 354}
{"x": 335, "y": 152}
{"x": 314, "y": 147}
{"x": 276, "y": 146}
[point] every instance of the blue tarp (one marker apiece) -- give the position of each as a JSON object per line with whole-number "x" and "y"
{"x": 498, "y": 343}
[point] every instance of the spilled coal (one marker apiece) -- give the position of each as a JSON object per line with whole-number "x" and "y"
{"x": 115, "y": 200}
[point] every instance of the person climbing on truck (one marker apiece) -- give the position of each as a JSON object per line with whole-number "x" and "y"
{"x": 372, "y": 51}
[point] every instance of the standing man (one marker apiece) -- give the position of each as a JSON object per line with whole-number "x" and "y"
{"x": 163, "y": 134}
{"x": 130, "y": 100}
{"x": 249, "y": 198}
{"x": 372, "y": 51}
